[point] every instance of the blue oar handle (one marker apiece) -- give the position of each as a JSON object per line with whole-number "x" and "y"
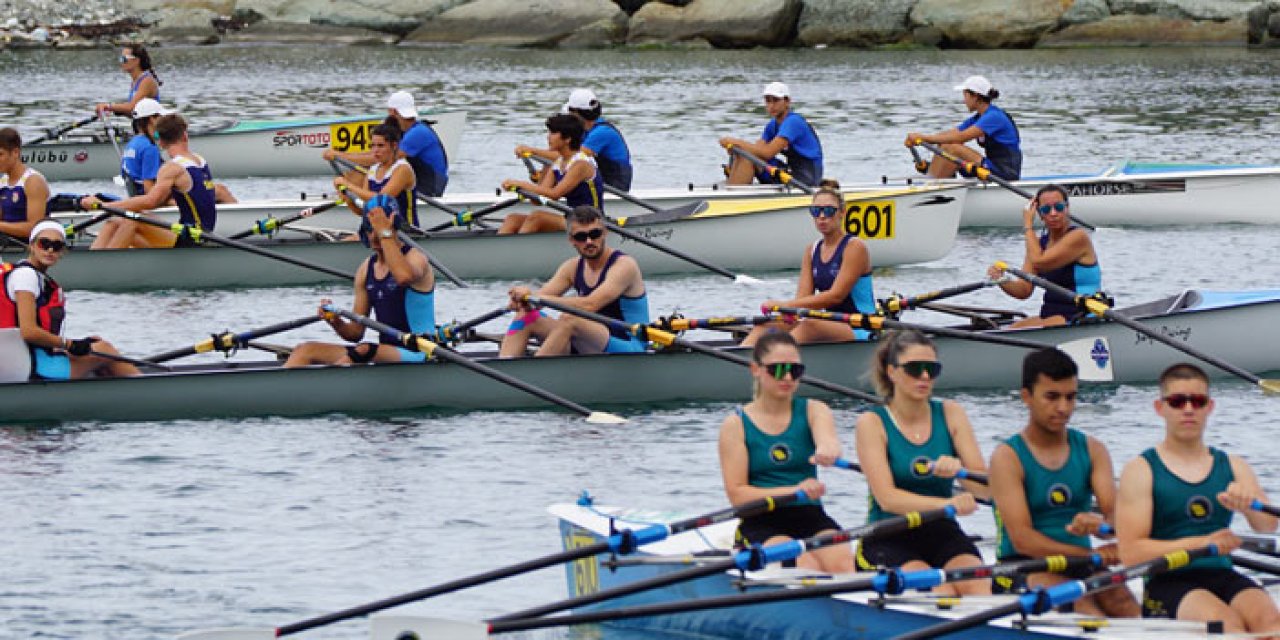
{"x": 842, "y": 463}
{"x": 1258, "y": 505}
{"x": 627, "y": 541}
{"x": 1106, "y": 529}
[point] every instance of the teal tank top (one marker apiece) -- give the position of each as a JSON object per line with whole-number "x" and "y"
{"x": 910, "y": 462}
{"x": 1054, "y": 496}
{"x": 1180, "y": 509}
{"x": 781, "y": 460}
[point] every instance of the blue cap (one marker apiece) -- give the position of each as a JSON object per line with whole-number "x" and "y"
{"x": 386, "y": 202}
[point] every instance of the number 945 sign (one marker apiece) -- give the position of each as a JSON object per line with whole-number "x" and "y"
{"x": 352, "y": 136}
{"x": 871, "y": 220}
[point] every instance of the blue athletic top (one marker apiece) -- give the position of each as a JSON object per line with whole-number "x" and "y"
{"x": 406, "y": 201}
{"x": 1000, "y": 139}
{"x": 404, "y": 308}
{"x": 139, "y": 161}
{"x": 588, "y": 191}
{"x": 612, "y": 155}
{"x": 627, "y": 309}
{"x": 133, "y": 89}
{"x": 421, "y": 145}
{"x": 13, "y": 199}
{"x": 197, "y": 207}
{"x": 804, "y": 149}
{"x": 1080, "y": 278}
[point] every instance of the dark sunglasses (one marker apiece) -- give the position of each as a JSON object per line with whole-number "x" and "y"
{"x": 1044, "y": 209}
{"x": 583, "y": 236}
{"x": 917, "y": 368}
{"x": 779, "y": 369}
{"x": 50, "y": 245}
{"x": 1180, "y": 400}
{"x": 826, "y": 211}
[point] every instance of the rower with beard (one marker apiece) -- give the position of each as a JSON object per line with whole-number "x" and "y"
{"x": 607, "y": 281}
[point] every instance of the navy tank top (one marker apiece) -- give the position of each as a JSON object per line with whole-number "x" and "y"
{"x": 1082, "y": 279}
{"x": 404, "y": 308}
{"x": 627, "y": 309}
{"x": 13, "y": 199}
{"x": 197, "y": 207}
{"x": 589, "y": 191}
{"x": 405, "y": 200}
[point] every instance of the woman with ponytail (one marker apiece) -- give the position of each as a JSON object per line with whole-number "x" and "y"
{"x": 135, "y": 60}
{"x": 911, "y": 449}
{"x": 772, "y": 446}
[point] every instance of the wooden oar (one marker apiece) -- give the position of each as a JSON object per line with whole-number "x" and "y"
{"x": 658, "y": 214}
{"x": 127, "y": 360}
{"x": 198, "y": 235}
{"x": 962, "y": 474}
{"x": 752, "y": 559}
{"x": 58, "y": 132}
{"x": 898, "y": 304}
{"x": 623, "y": 542}
{"x": 666, "y": 338}
{"x": 982, "y": 173}
{"x": 649, "y": 242}
{"x": 271, "y": 225}
{"x": 1100, "y": 308}
{"x": 439, "y": 352}
{"x": 227, "y": 341}
{"x": 1042, "y": 600}
{"x": 778, "y": 174}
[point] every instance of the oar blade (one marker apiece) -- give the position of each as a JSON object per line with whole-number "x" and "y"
{"x": 401, "y": 627}
{"x": 231, "y": 633}
{"x": 665, "y": 215}
{"x": 604, "y": 417}
{"x": 1092, "y": 357}
{"x": 745, "y": 279}
{"x": 1269, "y": 386}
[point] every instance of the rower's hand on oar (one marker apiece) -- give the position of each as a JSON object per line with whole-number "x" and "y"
{"x": 1237, "y": 497}
{"x": 329, "y": 155}
{"x": 81, "y": 346}
{"x": 519, "y": 296}
{"x": 914, "y": 138}
{"x": 511, "y": 184}
{"x": 341, "y": 183}
{"x": 964, "y": 503}
{"x": 946, "y": 466}
{"x": 812, "y": 489}
{"x": 770, "y": 305}
{"x": 825, "y": 455}
{"x": 1110, "y": 553}
{"x": 1226, "y": 540}
{"x": 90, "y": 202}
{"x": 524, "y": 151}
{"x": 1086, "y": 523}
{"x": 326, "y": 313}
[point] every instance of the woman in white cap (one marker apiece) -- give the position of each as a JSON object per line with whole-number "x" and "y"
{"x": 24, "y": 194}
{"x": 994, "y": 130}
{"x": 34, "y": 303}
{"x": 786, "y": 134}
{"x": 140, "y": 161}
{"x": 419, "y": 144}
{"x": 602, "y": 141}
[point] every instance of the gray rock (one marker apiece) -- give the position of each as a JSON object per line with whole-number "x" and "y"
{"x": 857, "y": 23}
{"x": 528, "y": 23}
{"x": 1273, "y": 25}
{"x": 186, "y": 24}
{"x": 723, "y": 23}
{"x": 927, "y": 36}
{"x": 1256, "y": 23}
{"x": 1188, "y": 9}
{"x": 291, "y": 33}
{"x": 989, "y": 24}
{"x": 1082, "y": 11}
{"x": 597, "y": 35}
{"x": 1141, "y": 31}
{"x": 398, "y": 16}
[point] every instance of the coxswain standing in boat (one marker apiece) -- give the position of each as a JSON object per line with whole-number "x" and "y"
{"x": 835, "y": 275}
{"x": 606, "y": 281}
{"x": 396, "y": 282}
{"x": 1045, "y": 480}
{"x": 787, "y": 134}
{"x": 24, "y": 193}
{"x": 1063, "y": 254}
{"x": 34, "y": 303}
{"x": 910, "y": 450}
{"x": 989, "y": 125}
{"x": 390, "y": 175}
{"x": 185, "y": 178}
{"x": 602, "y": 140}
{"x": 772, "y": 447}
{"x": 1183, "y": 494}
{"x": 135, "y": 60}
{"x": 574, "y": 176}
{"x": 419, "y": 144}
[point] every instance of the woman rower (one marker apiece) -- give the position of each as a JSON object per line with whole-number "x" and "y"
{"x": 574, "y": 176}
{"x": 135, "y": 60}
{"x": 1063, "y": 254}
{"x": 911, "y": 449}
{"x": 24, "y": 194}
{"x": 835, "y": 275}
{"x": 389, "y": 175}
{"x": 770, "y": 447}
{"x": 33, "y": 302}
{"x": 141, "y": 161}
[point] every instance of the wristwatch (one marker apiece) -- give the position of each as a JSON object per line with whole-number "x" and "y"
{"x": 386, "y": 233}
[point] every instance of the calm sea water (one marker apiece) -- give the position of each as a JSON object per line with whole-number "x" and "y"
{"x": 145, "y": 530}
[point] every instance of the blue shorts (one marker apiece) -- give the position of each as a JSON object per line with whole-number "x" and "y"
{"x": 52, "y": 367}
{"x": 411, "y": 356}
{"x": 618, "y": 345}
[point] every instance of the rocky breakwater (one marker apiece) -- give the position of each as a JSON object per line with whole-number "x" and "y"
{"x": 680, "y": 23}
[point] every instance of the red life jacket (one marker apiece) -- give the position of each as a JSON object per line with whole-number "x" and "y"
{"x": 50, "y": 304}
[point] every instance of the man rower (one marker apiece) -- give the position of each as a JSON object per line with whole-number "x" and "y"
{"x": 574, "y": 176}
{"x": 1063, "y": 254}
{"x": 185, "y": 178}
{"x": 1181, "y": 494}
{"x": 24, "y": 193}
{"x": 396, "y": 282}
{"x": 787, "y": 134}
{"x": 140, "y": 161}
{"x": 602, "y": 140}
{"x": 993, "y": 129}
{"x": 1044, "y": 481}
{"x": 607, "y": 281}
{"x": 419, "y": 144}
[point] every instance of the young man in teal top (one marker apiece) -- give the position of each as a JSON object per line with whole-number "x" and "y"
{"x": 1181, "y": 494}
{"x": 1045, "y": 479}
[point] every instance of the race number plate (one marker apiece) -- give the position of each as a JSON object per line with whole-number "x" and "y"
{"x": 352, "y": 137}
{"x": 870, "y": 220}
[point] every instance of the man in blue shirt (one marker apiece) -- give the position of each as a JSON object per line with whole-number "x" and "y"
{"x": 603, "y": 140}
{"x": 994, "y": 130}
{"x": 420, "y": 145}
{"x": 787, "y": 134}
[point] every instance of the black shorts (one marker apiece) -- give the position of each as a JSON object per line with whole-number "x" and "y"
{"x": 934, "y": 543}
{"x": 797, "y": 523}
{"x": 1164, "y": 592}
{"x": 184, "y": 240}
{"x": 1017, "y": 583}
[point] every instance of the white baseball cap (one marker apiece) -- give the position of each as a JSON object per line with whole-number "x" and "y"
{"x": 403, "y": 104}
{"x": 148, "y": 107}
{"x": 584, "y": 99}
{"x": 976, "y": 84}
{"x": 777, "y": 90}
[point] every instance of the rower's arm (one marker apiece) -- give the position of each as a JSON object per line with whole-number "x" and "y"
{"x": 545, "y": 154}
{"x": 1102, "y": 479}
{"x": 169, "y": 175}
{"x": 966, "y": 444}
{"x": 855, "y": 263}
{"x": 1133, "y": 523}
{"x": 37, "y": 199}
{"x": 561, "y": 281}
{"x": 148, "y": 88}
{"x": 407, "y": 268}
{"x": 822, "y": 425}
{"x": 952, "y": 136}
{"x": 624, "y": 273}
{"x": 402, "y": 180}
{"x": 354, "y": 331}
{"x": 29, "y": 326}
{"x": 578, "y": 173}
{"x": 1017, "y": 287}
{"x": 1248, "y": 483}
{"x": 1006, "y": 477}
{"x": 1073, "y": 246}
{"x": 872, "y": 445}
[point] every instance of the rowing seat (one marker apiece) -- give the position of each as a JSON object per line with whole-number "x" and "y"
{"x": 15, "y": 357}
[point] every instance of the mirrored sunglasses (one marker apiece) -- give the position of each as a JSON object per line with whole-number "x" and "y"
{"x": 1180, "y": 400}
{"x": 780, "y": 369}
{"x": 1044, "y": 209}
{"x": 825, "y": 211}
{"x": 125, "y": 58}
{"x": 583, "y": 236}
{"x": 50, "y": 245}
{"x": 917, "y": 368}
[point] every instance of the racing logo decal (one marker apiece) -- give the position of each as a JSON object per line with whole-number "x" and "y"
{"x": 780, "y": 453}
{"x": 1199, "y": 508}
{"x": 1059, "y": 495}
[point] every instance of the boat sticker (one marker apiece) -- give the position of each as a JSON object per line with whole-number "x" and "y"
{"x": 586, "y": 571}
{"x": 81, "y": 156}
{"x": 1100, "y": 354}
{"x": 1124, "y": 187}
{"x": 1179, "y": 333}
{"x": 870, "y": 220}
{"x": 352, "y": 136}
{"x": 38, "y": 156}
{"x": 312, "y": 139}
